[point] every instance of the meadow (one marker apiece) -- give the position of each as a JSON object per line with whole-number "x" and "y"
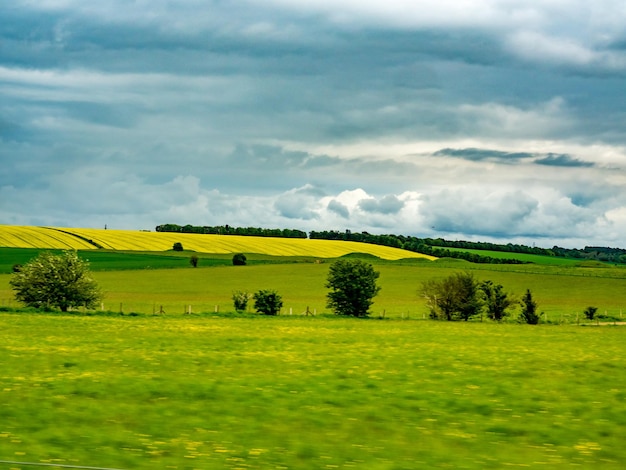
{"x": 202, "y": 392}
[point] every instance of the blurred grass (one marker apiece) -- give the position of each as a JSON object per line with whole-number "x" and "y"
{"x": 309, "y": 393}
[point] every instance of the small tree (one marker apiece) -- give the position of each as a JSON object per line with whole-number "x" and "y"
{"x": 353, "y": 286}
{"x": 590, "y": 312}
{"x": 61, "y": 281}
{"x": 529, "y": 309}
{"x": 453, "y": 298}
{"x": 178, "y": 246}
{"x": 239, "y": 259}
{"x": 496, "y": 300}
{"x": 267, "y": 302}
{"x": 194, "y": 260}
{"x": 240, "y": 300}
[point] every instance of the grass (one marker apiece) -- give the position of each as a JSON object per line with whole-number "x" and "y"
{"x": 309, "y": 393}
{"x": 526, "y": 257}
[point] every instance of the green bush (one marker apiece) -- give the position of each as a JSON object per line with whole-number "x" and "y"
{"x": 240, "y": 300}
{"x": 194, "y": 260}
{"x": 529, "y": 313}
{"x": 267, "y": 302}
{"x": 590, "y": 312}
{"x": 178, "y": 246}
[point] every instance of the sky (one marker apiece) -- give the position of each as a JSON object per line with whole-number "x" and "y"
{"x": 484, "y": 120}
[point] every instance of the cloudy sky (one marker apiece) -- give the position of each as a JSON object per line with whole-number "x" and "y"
{"x": 464, "y": 119}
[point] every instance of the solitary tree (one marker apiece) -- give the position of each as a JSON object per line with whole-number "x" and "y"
{"x": 453, "y": 298}
{"x": 352, "y": 285}
{"x": 239, "y": 259}
{"x": 177, "y": 246}
{"x": 497, "y": 301}
{"x": 590, "y": 312}
{"x": 194, "y": 260}
{"x": 529, "y": 309}
{"x": 61, "y": 281}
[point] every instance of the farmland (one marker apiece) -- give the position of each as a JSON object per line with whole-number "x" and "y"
{"x": 203, "y": 389}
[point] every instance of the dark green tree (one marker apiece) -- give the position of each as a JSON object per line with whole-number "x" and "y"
{"x": 193, "y": 260}
{"x": 590, "y": 312}
{"x": 529, "y": 309}
{"x": 497, "y": 301}
{"x": 267, "y": 302}
{"x": 178, "y": 246}
{"x": 455, "y": 297}
{"x": 352, "y": 285}
{"x": 62, "y": 281}
{"x": 239, "y": 259}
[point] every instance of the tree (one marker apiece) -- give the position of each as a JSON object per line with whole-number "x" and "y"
{"x": 267, "y": 302}
{"x": 240, "y": 300}
{"x": 239, "y": 259}
{"x": 590, "y": 312}
{"x": 453, "y": 298}
{"x": 353, "y": 286}
{"x": 496, "y": 300}
{"x": 529, "y": 309}
{"x": 178, "y": 246}
{"x": 61, "y": 281}
{"x": 194, "y": 260}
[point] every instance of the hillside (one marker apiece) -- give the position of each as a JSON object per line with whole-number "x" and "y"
{"x": 127, "y": 240}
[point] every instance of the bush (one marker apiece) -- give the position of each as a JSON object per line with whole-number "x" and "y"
{"x": 497, "y": 301}
{"x": 353, "y": 286}
{"x": 178, "y": 246}
{"x": 240, "y": 300}
{"x": 239, "y": 259}
{"x": 60, "y": 281}
{"x": 267, "y": 302}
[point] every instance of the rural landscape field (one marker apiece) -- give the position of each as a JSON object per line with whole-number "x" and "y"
{"x": 165, "y": 374}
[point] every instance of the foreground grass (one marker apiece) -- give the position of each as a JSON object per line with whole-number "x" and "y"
{"x": 309, "y": 393}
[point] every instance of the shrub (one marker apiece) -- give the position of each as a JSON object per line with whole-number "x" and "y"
{"x": 239, "y": 259}
{"x": 60, "y": 281}
{"x": 178, "y": 246}
{"x": 496, "y": 300}
{"x": 353, "y": 285}
{"x": 267, "y": 302}
{"x": 240, "y": 300}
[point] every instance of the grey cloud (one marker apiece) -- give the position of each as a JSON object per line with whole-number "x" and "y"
{"x": 474, "y": 154}
{"x": 389, "y": 204}
{"x": 563, "y": 160}
{"x": 339, "y": 208}
{"x": 299, "y": 203}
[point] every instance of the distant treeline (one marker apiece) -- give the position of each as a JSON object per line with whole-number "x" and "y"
{"x": 430, "y": 246}
{"x": 228, "y": 230}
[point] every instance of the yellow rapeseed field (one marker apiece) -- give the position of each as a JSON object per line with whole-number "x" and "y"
{"x": 129, "y": 240}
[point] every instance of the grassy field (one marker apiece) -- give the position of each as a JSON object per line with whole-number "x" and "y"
{"x": 145, "y": 283}
{"x": 526, "y": 257}
{"x": 309, "y": 393}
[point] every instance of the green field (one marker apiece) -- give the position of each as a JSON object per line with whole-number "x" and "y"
{"x": 151, "y": 282}
{"x": 525, "y": 257}
{"x": 309, "y": 393}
